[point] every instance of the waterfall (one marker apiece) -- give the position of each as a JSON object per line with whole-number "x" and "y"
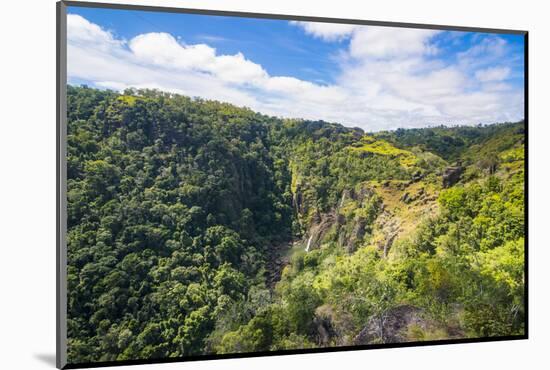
{"x": 343, "y": 198}
{"x": 309, "y": 243}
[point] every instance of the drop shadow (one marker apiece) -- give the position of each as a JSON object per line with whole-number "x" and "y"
{"x": 46, "y": 358}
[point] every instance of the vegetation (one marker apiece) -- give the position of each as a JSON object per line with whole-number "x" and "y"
{"x": 197, "y": 227}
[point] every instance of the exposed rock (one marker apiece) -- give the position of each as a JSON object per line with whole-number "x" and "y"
{"x": 297, "y": 201}
{"x": 349, "y": 232}
{"x": 332, "y": 328}
{"x": 321, "y": 224}
{"x": 340, "y": 219}
{"x": 357, "y": 235}
{"x": 407, "y": 198}
{"x": 316, "y": 217}
{"x": 388, "y": 244}
{"x": 354, "y": 195}
{"x": 323, "y": 325}
{"x": 342, "y": 239}
{"x": 391, "y": 325}
{"x": 417, "y": 176}
{"x": 276, "y": 262}
{"x": 520, "y": 131}
{"x": 364, "y": 193}
{"x": 451, "y": 175}
{"x": 389, "y": 226}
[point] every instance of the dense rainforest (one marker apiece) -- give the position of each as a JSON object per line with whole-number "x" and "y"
{"x": 197, "y": 227}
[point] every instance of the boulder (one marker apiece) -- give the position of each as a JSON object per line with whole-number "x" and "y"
{"x": 451, "y": 175}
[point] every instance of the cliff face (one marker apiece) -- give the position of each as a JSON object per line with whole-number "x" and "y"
{"x": 347, "y": 224}
{"x": 387, "y": 219}
{"x": 373, "y": 213}
{"x": 451, "y": 175}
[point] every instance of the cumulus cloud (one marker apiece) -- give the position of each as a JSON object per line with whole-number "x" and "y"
{"x": 86, "y": 33}
{"x": 158, "y": 60}
{"x": 163, "y": 50}
{"x": 391, "y": 42}
{"x": 387, "y": 77}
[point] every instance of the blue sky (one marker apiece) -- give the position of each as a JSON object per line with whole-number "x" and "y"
{"x": 372, "y": 77}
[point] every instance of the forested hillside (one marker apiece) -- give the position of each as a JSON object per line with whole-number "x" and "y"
{"x": 197, "y": 227}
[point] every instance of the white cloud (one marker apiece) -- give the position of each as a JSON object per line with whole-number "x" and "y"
{"x": 236, "y": 68}
{"x": 388, "y": 77}
{"x": 493, "y": 74}
{"x": 390, "y": 42}
{"x": 163, "y": 50}
{"x": 327, "y": 31}
{"x": 84, "y": 32}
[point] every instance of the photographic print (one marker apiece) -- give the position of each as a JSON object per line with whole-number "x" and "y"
{"x": 244, "y": 185}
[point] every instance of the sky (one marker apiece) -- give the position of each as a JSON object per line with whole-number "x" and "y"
{"x": 373, "y": 77}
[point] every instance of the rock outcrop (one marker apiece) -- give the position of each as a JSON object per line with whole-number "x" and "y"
{"x": 417, "y": 176}
{"x": 331, "y": 328}
{"x": 323, "y": 324}
{"x": 391, "y": 326}
{"x": 350, "y": 231}
{"x": 276, "y": 261}
{"x": 451, "y": 175}
{"x": 320, "y": 225}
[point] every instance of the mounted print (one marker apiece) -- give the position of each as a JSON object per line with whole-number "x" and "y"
{"x": 236, "y": 184}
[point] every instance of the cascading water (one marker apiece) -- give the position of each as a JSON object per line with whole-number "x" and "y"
{"x": 343, "y": 199}
{"x": 309, "y": 243}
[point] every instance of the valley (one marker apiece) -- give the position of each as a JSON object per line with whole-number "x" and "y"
{"x": 198, "y": 227}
